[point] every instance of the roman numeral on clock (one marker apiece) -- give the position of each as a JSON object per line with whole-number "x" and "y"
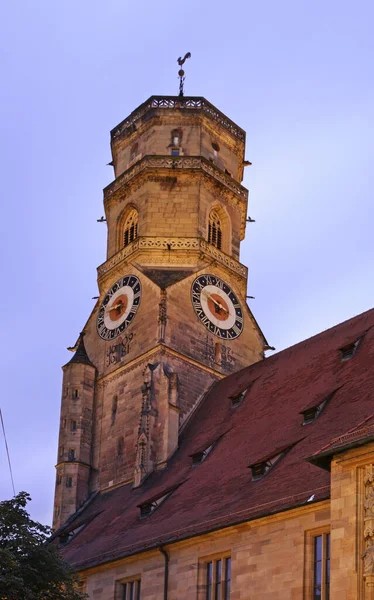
{"x": 226, "y": 320}
{"x": 110, "y": 323}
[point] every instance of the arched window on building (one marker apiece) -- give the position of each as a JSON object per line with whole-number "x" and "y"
{"x": 130, "y": 230}
{"x": 176, "y": 139}
{"x": 215, "y": 230}
{"x": 216, "y": 148}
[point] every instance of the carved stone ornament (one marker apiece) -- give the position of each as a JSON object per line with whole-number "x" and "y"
{"x": 177, "y": 163}
{"x": 369, "y": 492}
{"x": 369, "y": 534}
{"x": 162, "y": 317}
{"x": 368, "y": 555}
{"x": 184, "y": 104}
{"x": 369, "y": 475}
{"x": 167, "y": 243}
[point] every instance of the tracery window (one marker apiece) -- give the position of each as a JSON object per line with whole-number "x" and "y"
{"x": 215, "y": 230}
{"x": 130, "y": 232}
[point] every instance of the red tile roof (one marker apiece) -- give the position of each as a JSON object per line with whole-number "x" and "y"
{"x": 219, "y": 492}
{"x": 356, "y": 436}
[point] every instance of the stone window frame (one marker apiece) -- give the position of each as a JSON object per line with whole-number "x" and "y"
{"x": 123, "y": 225}
{"x": 175, "y": 146}
{"x": 226, "y": 226}
{"x": 130, "y": 228}
{"x": 213, "y": 592}
{"x": 128, "y": 588}
{"x": 310, "y": 537}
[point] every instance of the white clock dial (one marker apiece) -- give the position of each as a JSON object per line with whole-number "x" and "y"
{"x": 119, "y": 307}
{"x": 217, "y": 306}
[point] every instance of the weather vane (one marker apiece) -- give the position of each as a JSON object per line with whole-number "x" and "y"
{"x": 182, "y": 77}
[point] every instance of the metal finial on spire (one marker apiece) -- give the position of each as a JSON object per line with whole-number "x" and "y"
{"x": 182, "y": 77}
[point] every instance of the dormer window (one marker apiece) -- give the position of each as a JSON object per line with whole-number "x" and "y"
{"x": 260, "y": 469}
{"x": 262, "y": 466}
{"x": 149, "y": 507}
{"x": 349, "y": 351}
{"x": 200, "y": 456}
{"x": 238, "y": 398}
{"x": 311, "y": 413}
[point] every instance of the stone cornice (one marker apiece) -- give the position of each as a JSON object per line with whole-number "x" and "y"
{"x": 177, "y": 163}
{"x": 180, "y": 104}
{"x": 198, "y": 245}
{"x": 117, "y": 373}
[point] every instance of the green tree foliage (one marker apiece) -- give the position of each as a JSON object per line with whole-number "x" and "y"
{"x": 30, "y": 568}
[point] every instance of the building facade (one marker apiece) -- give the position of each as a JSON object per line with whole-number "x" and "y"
{"x": 189, "y": 466}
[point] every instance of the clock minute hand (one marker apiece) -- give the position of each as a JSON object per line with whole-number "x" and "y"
{"x": 216, "y": 303}
{"x": 115, "y": 307}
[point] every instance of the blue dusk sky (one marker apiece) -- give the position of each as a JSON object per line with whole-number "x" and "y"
{"x": 296, "y": 75}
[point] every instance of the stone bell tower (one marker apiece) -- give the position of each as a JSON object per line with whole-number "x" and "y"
{"x": 172, "y": 316}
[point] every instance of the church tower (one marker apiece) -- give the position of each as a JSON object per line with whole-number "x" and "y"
{"x": 171, "y": 318}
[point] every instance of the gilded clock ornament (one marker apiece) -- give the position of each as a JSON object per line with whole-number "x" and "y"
{"x": 217, "y": 306}
{"x": 119, "y": 307}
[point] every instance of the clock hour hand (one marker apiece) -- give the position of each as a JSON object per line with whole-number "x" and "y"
{"x": 115, "y": 307}
{"x": 216, "y": 303}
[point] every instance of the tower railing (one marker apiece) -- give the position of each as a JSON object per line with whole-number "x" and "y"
{"x": 173, "y": 244}
{"x": 178, "y": 163}
{"x": 184, "y": 103}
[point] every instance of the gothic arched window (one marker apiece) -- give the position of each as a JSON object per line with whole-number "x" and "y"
{"x": 130, "y": 230}
{"x": 215, "y": 230}
{"x": 176, "y": 137}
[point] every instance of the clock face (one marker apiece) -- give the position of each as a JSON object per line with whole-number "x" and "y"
{"x": 217, "y": 306}
{"x": 119, "y": 307}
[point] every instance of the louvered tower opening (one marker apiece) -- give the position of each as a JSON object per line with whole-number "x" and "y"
{"x": 131, "y": 228}
{"x": 215, "y": 230}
